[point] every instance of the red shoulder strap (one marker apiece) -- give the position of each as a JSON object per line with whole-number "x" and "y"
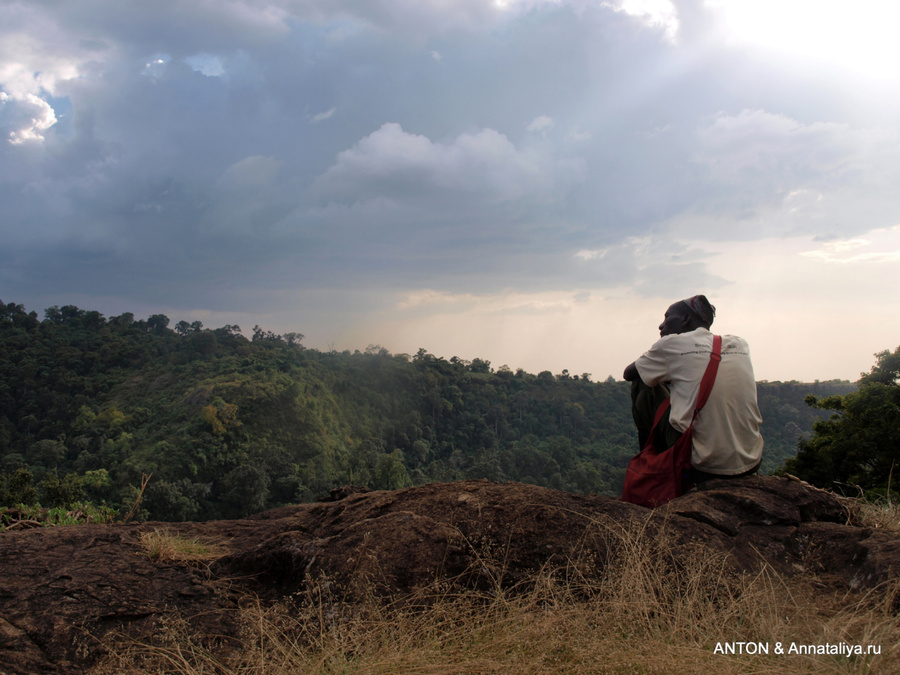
{"x": 709, "y": 377}
{"x": 706, "y": 385}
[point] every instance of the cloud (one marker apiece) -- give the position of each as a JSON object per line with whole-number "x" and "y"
{"x": 25, "y": 118}
{"x": 156, "y": 66}
{"x": 486, "y": 304}
{"x": 31, "y": 70}
{"x": 758, "y": 143}
{"x": 484, "y": 166}
{"x": 540, "y": 124}
{"x": 758, "y": 174}
{"x": 881, "y": 246}
{"x": 207, "y": 64}
{"x": 656, "y": 13}
{"x": 248, "y": 199}
{"x": 585, "y": 254}
{"x": 322, "y": 116}
{"x": 250, "y": 172}
{"x": 280, "y": 153}
{"x": 579, "y": 136}
{"x": 34, "y": 65}
{"x": 652, "y": 265}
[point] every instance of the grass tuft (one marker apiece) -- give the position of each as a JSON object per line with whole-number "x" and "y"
{"x": 650, "y": 607}
{"x": 882, "y": 514}
{"x": 164, "y": 545}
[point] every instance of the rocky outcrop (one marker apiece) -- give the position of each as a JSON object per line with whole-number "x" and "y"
{"x": 794, "y": 528}
{"x": 62, "y": 590}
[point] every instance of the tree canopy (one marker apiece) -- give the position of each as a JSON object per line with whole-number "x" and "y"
{"x": 226, "y": 425}
{"x": 859, "y": 444}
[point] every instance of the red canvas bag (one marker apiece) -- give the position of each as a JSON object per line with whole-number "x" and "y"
{"x": 654, "y": 478}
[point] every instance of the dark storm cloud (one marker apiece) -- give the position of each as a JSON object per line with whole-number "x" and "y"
{"x": 215, "y": 150}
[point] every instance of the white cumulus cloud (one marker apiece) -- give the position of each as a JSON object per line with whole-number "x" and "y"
{"x": 25, "y": 117}
{"x": 486, "y": 165}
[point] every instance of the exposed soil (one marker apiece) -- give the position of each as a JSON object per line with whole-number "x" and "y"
{"x": 63, "y": 590}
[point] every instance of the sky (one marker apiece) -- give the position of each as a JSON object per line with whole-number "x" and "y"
{"x": 530, "y": 182}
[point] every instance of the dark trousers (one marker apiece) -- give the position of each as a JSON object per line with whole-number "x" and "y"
{"x": 696, "y": 476}
{"x": 645, "y": 401}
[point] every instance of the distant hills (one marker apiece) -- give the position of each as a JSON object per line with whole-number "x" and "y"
{"x": 226, "y": 426}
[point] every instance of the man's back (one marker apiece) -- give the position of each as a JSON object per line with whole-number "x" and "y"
{"x": 726, "y": 433}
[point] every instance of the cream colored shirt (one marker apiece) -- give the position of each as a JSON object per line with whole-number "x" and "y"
{"x": 726, "y": 434}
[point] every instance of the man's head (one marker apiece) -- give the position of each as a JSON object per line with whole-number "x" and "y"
{"x": 687, "y": 315}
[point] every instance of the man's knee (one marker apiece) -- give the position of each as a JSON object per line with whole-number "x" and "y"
{"x": 645, "y": 401}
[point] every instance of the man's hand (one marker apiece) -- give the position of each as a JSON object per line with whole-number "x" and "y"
{"x": 631, "y": 373}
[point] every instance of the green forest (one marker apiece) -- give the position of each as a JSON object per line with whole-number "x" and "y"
{"x": 207, "y": 423}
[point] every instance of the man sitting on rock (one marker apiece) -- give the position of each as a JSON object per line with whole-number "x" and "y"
{"x": 726, "y": 438}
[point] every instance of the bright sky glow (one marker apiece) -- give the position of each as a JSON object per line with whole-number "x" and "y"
{"x": 858, "y": 36}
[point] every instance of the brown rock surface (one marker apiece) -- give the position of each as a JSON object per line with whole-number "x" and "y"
{"x": 62, "y": 590}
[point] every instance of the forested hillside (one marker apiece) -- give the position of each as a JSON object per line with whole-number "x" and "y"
{"x": 226, "y": 426}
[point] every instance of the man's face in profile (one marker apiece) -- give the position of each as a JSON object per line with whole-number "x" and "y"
{"x": 675, "y": 320}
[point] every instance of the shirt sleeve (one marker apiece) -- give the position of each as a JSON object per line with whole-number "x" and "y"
{"x": 653, "y": 365}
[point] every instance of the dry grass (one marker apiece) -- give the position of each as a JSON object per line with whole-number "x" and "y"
{"x": 164, "y": 545}
{"x": 883, "y": 515}
{"x": 650, "y": 612}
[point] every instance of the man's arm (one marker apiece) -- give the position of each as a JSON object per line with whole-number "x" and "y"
{"x": 631, "y": 373}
